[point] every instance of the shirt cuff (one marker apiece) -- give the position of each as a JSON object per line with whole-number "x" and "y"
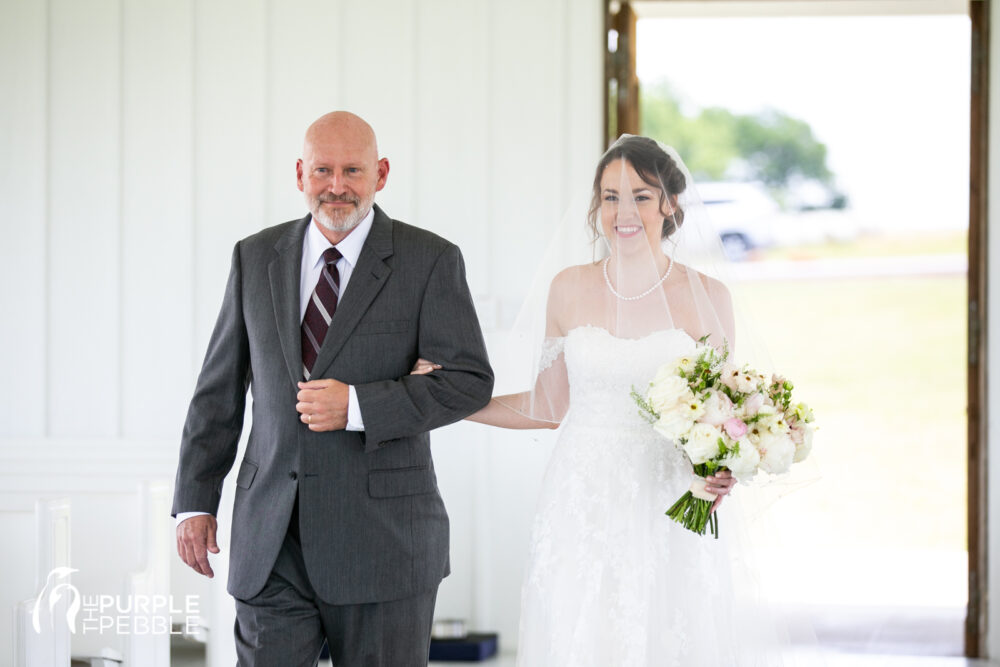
{"x": 184, "y": 516}
{"x": 354, "y": 420}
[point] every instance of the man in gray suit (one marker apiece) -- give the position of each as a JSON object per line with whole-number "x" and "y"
{"x": 338, "y": 531}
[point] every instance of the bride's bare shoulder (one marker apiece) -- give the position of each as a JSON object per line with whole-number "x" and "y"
{"x": 716, "y": 290}
{"x": 576, "y": 277}
{"x": 566, "y": 290}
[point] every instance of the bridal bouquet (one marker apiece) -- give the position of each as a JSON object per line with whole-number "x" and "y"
{"x": 724, "y": 417}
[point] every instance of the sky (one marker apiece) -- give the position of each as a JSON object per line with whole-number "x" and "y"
{"x": 889, "y": 96}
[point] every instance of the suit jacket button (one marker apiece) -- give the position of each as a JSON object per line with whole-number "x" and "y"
{"x": 293, "y": 475}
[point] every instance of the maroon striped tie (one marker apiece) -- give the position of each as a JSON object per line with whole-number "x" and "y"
{"x": 319, "y": 312}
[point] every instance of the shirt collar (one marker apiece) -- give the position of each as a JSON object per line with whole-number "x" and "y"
{"x": 350, "y": 247}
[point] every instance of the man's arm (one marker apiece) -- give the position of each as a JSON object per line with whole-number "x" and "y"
{"x": 213, "y": 426}
{"x": 448, "y": 333}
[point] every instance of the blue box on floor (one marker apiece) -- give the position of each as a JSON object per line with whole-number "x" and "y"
{"x": 471, "y": 647}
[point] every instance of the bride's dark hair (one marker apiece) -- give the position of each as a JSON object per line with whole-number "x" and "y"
{"x": 655, "y": 167}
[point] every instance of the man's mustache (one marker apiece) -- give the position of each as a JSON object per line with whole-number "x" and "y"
{"x": 331, "y": 199}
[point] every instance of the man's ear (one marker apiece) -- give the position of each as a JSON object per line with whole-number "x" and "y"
{"x": 298, "y": 175}
{"x": 383, "y": 173}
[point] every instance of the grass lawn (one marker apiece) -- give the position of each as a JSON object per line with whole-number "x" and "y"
{"x": 882, "y": 362}
{"x": 874, "y": 245}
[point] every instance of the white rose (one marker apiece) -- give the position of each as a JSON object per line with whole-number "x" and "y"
{"x": 702, "y": 443}
{"x": 673, "y": 424}
{"x": 743, "y": 463}
{"x": 802, "y": 435}
{"x": 718, "y": 408}
{"x": 776, "y": 452}
{"x": 667, "y": 390}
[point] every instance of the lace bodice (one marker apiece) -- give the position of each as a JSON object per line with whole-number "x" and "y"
{"x": 602, "y": 370}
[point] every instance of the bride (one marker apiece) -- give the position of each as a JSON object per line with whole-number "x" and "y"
{"x": 610, "y": 579}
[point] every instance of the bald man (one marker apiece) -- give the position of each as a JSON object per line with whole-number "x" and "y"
{"x": 338, "y": 531}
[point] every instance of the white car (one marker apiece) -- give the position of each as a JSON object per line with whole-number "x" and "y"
{"x": 742, "y": 213}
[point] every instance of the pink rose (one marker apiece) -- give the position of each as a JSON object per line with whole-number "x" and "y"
{"x": 735, "y": 428}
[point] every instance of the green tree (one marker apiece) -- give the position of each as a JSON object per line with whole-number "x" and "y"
{"x": 779, "y": 148}
{"x": 769, "y": 146}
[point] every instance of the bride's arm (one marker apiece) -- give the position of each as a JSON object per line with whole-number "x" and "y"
{"x": 510, "y": 411}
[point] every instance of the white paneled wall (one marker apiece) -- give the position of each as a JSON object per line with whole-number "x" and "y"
{"x": 24, "y": 257}
{"x": 139, "y": 139}
{"x": 83, "y": 253}
{"x": 157, "y": 227}
{"x": 142, "y": 138}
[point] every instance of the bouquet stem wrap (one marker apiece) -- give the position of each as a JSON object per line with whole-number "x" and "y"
{"x": 693, "y": 510}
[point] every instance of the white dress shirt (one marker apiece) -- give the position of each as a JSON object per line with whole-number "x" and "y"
{"x": 314, "y": 244}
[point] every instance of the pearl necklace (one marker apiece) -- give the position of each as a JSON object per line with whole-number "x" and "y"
{"x": 659, "y": 282}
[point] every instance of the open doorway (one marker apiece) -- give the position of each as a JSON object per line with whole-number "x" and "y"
{"x": 876, "y": 99}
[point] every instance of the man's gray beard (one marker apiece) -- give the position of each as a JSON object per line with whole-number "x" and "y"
{"x": 348, "y": 223}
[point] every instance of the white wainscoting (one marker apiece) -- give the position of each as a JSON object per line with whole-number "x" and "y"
{"x": 40, "y": 641}
{"x": 101, "y": 508}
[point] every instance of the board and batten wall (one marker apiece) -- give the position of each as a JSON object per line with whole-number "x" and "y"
{"x": 139, "y": 139}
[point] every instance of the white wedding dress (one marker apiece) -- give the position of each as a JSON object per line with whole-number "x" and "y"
{"x": 610, "y": 579}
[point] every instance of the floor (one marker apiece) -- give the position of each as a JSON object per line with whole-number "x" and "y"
{"x": 896, "y": 630}
{"x": 859, "y": 637}
{"x": 829, "y": 659}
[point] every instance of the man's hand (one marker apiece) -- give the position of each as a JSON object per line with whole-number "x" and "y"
{"x": 721, "y": 483}
{"x": 323, "y": 405}
{"x": 195, "y": 538}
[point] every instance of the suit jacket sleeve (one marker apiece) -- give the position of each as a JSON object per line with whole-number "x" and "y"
{"x": 448, "y": 334}
{"x": 215, "y": 416}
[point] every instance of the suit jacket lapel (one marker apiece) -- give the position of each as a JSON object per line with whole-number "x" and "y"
{"x": 366, "y": 282}
{"x": 285, "y": 273}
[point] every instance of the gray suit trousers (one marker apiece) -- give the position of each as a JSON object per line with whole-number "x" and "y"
{"x": 285, "y": 624}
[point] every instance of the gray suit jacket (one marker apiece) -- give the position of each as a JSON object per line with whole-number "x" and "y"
{"x": 372, "y": 523}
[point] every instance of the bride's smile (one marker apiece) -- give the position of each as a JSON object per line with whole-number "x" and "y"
{"x": 627, "y": 230}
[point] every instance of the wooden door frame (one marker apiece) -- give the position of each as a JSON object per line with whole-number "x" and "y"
{"x": 977, "y": 390}
{"x": 621, "y": 114}
{"x": 621, "y": 82}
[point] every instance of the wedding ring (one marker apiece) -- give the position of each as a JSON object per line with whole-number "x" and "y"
{"x": 309, "y": 419}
